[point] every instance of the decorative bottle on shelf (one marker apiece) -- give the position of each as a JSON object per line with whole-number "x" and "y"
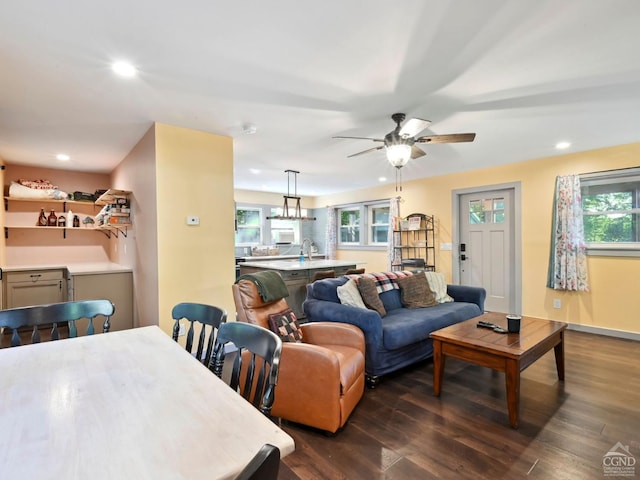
{"x": 52, "y": 220}
{"x": 42, "y": 219}
{"x": 62, "y": 221}
{"x": 69, "y": 218}
{"x": 76, "y": 221}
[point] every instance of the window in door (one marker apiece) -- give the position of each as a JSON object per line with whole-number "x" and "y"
{"x": 486, "y": 210}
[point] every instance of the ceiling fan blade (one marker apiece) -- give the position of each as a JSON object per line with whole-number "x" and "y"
{"x": 417, "y": 152}
{"x": 413, "y": 126}
{"x": 451, "y": 138}
{"x": 365, "y": 151}
{"x": 363, "y": 138}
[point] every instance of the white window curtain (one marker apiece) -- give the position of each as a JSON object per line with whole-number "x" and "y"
{"x": 393, "y": 255}
{"x": 331, "y": 237}
{"x": 568, "y": 257}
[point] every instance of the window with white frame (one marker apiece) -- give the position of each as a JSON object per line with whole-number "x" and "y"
{"x": 363, "y": 224}
{"x": 611, "y": 211}
{"x": 285, "y": 231}
{"x": 253, "y": 228}
{"x": 248, "y": 226}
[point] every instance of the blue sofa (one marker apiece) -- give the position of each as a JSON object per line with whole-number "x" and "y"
{"x": 401, "y": 337}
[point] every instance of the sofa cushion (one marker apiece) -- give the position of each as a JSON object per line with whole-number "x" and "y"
{"x": 403, "y": 326}
{"x": 285, "y": 325}
{"x": 391, "y": 299}
{"x": 350, "y": 295}
{"x": 415, "y": 292}
{"x": 438, "y": 286}
{"x": 370, "y": 297}
{"x": 326, "y": 289}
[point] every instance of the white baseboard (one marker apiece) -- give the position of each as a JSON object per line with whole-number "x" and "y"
{"x": 609, "y": 332}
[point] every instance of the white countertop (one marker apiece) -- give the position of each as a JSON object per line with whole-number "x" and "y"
{"x": 297, "y": 265}
{"x": 262, "y": 258}
{"x": 73, "y": 268}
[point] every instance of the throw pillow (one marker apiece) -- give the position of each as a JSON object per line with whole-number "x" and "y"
{"x": 438, "y": 286}
{"x": 370, "y": 297}
{"x": 349, "y": 295}
{"x": 415, "y": 292}
{"x": 285, "y": 325}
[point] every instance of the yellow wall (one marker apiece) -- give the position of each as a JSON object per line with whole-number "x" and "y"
{"x": 612, "y": 302}
{"x": 194, "y": 176}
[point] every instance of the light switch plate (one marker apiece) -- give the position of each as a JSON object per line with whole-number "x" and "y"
{"x": 193, "y": 220}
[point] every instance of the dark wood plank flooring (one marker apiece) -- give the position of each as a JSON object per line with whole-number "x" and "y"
{"x": 401, "y": 431}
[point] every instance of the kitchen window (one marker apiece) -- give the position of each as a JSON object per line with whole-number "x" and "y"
{"x": 285, "y": 231}
{"x": 363, "y": 225}
{"x": 611, "y": 212}
{"x": 252, "y": 227}
{"x": 248, "y": 226}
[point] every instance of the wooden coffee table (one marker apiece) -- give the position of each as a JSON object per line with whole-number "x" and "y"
{"x": 505, "y": 352}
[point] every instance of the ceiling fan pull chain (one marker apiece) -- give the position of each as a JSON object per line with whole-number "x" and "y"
{"x": 398, "y": 183}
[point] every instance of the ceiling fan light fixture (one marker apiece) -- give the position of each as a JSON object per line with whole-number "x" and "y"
{"x": 398, "y": 154}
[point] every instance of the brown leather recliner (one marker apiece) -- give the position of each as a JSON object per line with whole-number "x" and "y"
{"x": 321, "y": 380}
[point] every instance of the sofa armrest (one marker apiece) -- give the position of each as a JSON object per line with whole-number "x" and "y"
{"x": 332, "y": 333}
{"x": 465, "y": 293}
{"x": 369, "y": 321}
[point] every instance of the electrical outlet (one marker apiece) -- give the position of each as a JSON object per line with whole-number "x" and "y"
{"x": 181, "y": 331}
{"x": 557, "y": 303}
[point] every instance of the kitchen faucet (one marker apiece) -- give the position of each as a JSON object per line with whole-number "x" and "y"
{"x": 307, "y": 240}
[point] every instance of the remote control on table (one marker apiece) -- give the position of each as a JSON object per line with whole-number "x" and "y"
{"x": 492, "y": 326}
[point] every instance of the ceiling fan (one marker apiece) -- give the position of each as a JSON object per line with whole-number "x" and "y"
{"x": 400, "y": 142}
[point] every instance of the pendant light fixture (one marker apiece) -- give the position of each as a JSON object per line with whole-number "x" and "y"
{"x": 291, "y": 212}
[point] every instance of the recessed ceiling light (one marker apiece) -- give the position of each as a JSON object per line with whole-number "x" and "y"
{"x": 255, "y": 171}
{"x": 249, "y": 129}
{"x": 382, "y": 179}
{"x": 124, "y": 69}
{"x": 563, "y": 145}
{"x": 63, "y": 157}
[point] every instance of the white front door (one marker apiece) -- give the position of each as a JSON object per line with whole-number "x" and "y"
{"x": 486, "y": 253}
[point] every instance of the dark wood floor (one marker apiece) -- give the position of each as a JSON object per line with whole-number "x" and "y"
{"x": 401, "y": 431}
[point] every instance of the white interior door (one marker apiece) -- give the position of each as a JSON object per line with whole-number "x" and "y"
{"x": 486, "y": 253}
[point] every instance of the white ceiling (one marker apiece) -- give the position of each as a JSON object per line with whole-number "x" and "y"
{"x": 523, "y": 75}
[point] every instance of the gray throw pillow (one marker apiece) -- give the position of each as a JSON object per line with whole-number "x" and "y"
{"x": 415, "y": 292}
{"x": 369, "y": 294}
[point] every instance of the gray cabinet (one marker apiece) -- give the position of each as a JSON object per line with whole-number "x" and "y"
{"x": 116, "y": 287}
{"x": 296, "y": 282}
{"x": 34, "y": 287}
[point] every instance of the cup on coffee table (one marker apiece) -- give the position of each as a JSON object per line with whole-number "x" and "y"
{"x": 513, "y": 323}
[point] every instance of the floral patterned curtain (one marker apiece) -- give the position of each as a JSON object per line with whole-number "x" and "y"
{"x": 331, "y": 237}
{"x": 568, "y": 258}
{"x": 393, "y": 255}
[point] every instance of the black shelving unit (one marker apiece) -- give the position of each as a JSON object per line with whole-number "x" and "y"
{"x": 415, "y": 243}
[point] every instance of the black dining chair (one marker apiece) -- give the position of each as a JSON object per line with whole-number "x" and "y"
{"x": 53, "y": 314}
{"x": 263, "y": 466}
{"x": 208, "y": 317}
{"x": 254, "y": 373}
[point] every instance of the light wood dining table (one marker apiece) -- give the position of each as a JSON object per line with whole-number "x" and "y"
{"x": 131, "y": 404}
